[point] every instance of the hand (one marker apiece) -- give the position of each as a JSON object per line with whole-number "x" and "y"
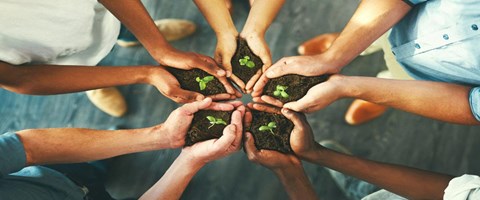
{"x": 190, "y": 60}
{"x": 302, "y": 65}
{"x": 230, "y": 142}
{"x": 301, "y": 138}
{"x": 317, "y": 97}
{"x": 175, "y": 128}
{"x": 168, "y": 85}
{"x": 226, "y": 47}
{"x": 258, "y": 45}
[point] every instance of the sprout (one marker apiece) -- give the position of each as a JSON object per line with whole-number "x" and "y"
{"x": 245, "y": 61}
{"x": 215, "y": 121}
{"x": 202, "y": 82}
{"x": 281, "y": 91}
{"x": 269, "y": 127}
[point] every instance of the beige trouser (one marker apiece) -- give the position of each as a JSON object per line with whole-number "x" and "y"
{"x": 395, "y": 70}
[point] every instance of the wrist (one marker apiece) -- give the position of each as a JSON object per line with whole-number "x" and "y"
{"x": 252, "y": 33}
{"x": 191, "y": 160}
{"x": 294, "y": 163}
{"x": 226, "y": 34}
{"x": 162, "y": 54}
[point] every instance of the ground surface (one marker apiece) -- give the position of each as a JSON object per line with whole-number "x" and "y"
{"x": 397, "y": 137}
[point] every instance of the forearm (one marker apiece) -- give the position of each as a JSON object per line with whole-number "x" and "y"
{"x": 71, "y": 145}
{"x": 371, "y": 19}
{"x": 55, "y": 79}
{"x": 261, "y": 15}
{"x": 296, "y": 183}
{"x": 134, "y": 16}
{"x": 408, "y": 182}
{"x": 442, "y": 101}
{"x": 175, "y": 180}
{"x": 217, "y": 15}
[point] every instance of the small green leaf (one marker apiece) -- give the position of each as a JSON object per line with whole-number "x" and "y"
{"x": 202, "y": 85}
{"x": 211, "y": 119}
{"x": 220, "y": 121}
{"x": 246, "y": 57}
{"x": 264, "y": 128}
{"x": 242, "y": 62}
{"x": 272, "y": 125}
{"x": 276, "y": 93}
{"x": 281, "y": 87}
{"x": 208, "y": 78}
{"x": 198, "y": 79}
{"x": 250, "y": 64}
{"x": 284, "y": 94}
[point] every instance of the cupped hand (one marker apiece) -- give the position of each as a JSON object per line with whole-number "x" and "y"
{"x": 189, "y": 60}
{"x": 227, "y": 144}
{"x": 259, "y": 47}
{"x": 176, "y": 126}
{"x": 301, "y": 65}
{"x": 226, "y": 47}
{"x": 317, "y": 97}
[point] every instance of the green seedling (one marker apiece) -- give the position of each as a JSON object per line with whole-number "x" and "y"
{"x": 281, "y": 91}
{"x": 202, "y": 82}
{"x": 215, "y": 121}
{"x": 245, "y": 61}
{"x": 269, "y": 127}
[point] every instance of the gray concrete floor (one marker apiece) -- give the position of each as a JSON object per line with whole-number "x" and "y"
{"x": 396, "y": 137}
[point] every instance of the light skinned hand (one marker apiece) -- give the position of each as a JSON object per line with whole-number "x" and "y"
{"x": 227, "y": 144}
{"x": 176, "y": 126}
{"x": 168, "y": 85}
{"x": 226, "y": 47}
{"x": 315, "y": 65}
{"x": 317, "y": 97}
{"x": 259, "y": 47}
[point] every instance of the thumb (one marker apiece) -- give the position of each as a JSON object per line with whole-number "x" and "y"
{"x": 249, "y": 145}
{"x": 281, "y": 68}
{"x": 191, "y": 108}
{"x": 185, "y": 96}
{"x": 292, "y": 116}
{"x": 227, "y": 138}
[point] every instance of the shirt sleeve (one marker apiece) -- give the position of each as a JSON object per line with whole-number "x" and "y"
{"x": 12, "y": 154}
{"x": 465, "y": 187}
{"x": 474, "y": 99}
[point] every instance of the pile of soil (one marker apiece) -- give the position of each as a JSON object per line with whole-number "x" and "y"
{"x": 199, "y": 129}
{"x": 187, "y": 80}
{"x": 298, "y": 86}
{"x": 241, "y": 71}
{"x": 279, "y": 140}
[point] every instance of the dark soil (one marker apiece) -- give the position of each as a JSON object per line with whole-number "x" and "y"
{"x": 279, "y": 140}
{"x": 187, "y": 81}
{"x": 241, "y": 71}
{"x": 199, "y": 129}
{"x": 298, "y": 86}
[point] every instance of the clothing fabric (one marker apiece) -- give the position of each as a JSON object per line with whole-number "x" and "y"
{"x": 75, "y": 32}
{"x": 438, "y": 40}
{"x": 18, "y": 182}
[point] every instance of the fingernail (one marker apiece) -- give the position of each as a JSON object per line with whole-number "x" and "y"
{"x": 229, "y": 73}
{"x": 200, "y": 97}
{"x": 221, "y": 72}
{"x": 286, "y": 111}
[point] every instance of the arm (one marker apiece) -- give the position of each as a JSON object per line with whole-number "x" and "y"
{"x": 62, "y": 145}
{"x": 406, "y": 181}
{"x": 135, "y": 17}
{"x": 287, "y": 167}
{"x": 261, "y": 15}
{"x": 193, "y": 158}
{"x": 442, "y": 101}
{"x": 371, "y": 19}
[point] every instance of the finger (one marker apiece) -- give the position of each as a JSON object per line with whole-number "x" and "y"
{"x": 237, "y": 121}
{"x": 242, "y": 110}
{"x": 296, "y": 118}
{"x": 226, "y": 84}
{"x": 227, "y": 63}
{"x": 235, "y": 103}
{"x": 223, "y": 96}
{"x": 257, "y": 100}
{"x": 191, "y": 108}
{"x": 272, "y": 101}
{"x": 238, "y": 82}
{"x": 301, "y": 104}
{"x": 259, "y": 85}
{"x": 282, "y": 67}
{"x": 208, "y": 65}
{"x": 247, "y": 119}
{"x": 249, "y": 146}
{"x": 252, "y": 81}
{"x": 266, "y": 108}
{"x": 185, "y": 96}
{"x": 219, "y": 107}
{"x": 227, "y": 138}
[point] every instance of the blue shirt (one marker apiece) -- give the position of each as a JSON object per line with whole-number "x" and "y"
{"x": 18, "y": 182}
{"x": 439, "y": 40}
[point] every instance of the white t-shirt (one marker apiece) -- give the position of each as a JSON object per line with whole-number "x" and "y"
{"x": 466, "y": 187}
{"x": 73, "y": 32}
